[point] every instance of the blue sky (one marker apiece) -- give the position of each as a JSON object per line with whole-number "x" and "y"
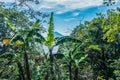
{"x": 68, "y": 13}
{"x": 67, "y": 21}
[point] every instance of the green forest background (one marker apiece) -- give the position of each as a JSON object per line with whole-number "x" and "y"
{"x": 91, "y": 52}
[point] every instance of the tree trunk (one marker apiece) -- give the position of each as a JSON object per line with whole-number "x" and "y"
{"x": 27, "y": 68}
{"x": 76, "y": 74}
{"x": 70, "y": 71}
{"x": 46, "y": 76}
{"x": 59, "y": 78}
{"x": 21, "y": 71}
{"x": 51, "y": 64}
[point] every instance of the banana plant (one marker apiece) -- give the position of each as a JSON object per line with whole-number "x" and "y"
{"x": 51, "y": 41}
{"x": 13, "y": 58}
{"x": 69, "y": 56}
{"x": 23, "y": 41}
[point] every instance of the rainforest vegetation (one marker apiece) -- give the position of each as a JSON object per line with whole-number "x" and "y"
{"x": 91, "y": 52}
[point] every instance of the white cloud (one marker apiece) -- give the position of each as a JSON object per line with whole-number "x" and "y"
{"x": 69, "y": 19}
{"x": 7, "y": 0}
{"x": 76, "y": 14}
{"x": 61, "y": 6}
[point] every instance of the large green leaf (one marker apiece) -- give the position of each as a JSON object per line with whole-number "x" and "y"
{"x": 10, "y": 24}
{"x": 37, "y": 36}
{"x": 64, "y": 39}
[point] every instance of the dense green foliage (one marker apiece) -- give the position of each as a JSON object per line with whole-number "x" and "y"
{"x": 103, "y": 40}
{"x": 91, "y": 52}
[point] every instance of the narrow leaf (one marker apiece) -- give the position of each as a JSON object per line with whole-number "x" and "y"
{"x": 36, "y": 24}
{"x": 83, "y": 58}
{"x": 10, "y": 24}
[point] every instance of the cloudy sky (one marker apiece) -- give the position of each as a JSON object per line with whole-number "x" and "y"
{"x": 68, "y": 13}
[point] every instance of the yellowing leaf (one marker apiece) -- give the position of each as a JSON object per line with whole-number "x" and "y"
{"x": 112, "y": 33}
{"x": 18, "y": 43}
{"x": 6, "y": 41}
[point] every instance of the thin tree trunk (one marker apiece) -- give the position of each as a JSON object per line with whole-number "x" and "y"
{"x": 70, "y": 71}
{"x": 58, "y": 70}
{"x": 21, "y": 71}
{"x": 59, "y": 78}
{"x": 51, "y": 64}
{"x": 27, "y": 68}
{"x": 76, "y": 74}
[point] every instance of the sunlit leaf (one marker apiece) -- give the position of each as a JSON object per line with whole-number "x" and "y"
{"x": 50, "y": 36}
{"x": 94, "y": 47}
{"x": 10, "y": 24}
